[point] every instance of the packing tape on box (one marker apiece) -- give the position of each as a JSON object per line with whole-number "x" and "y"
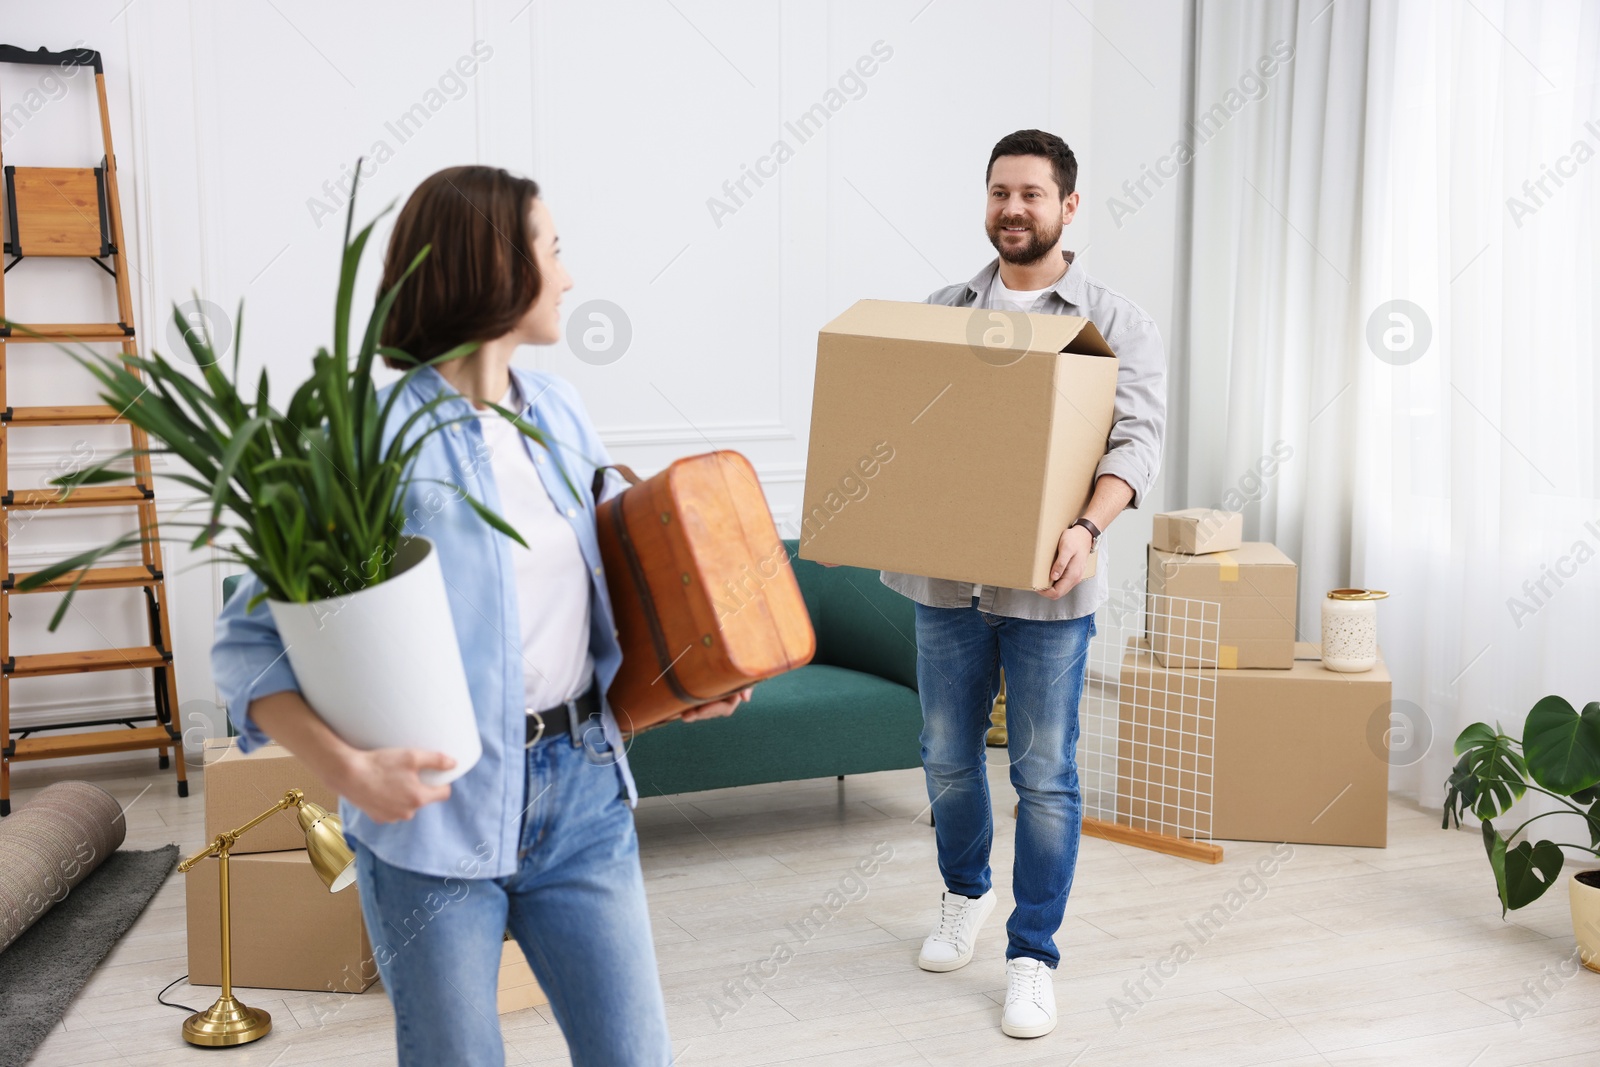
{"x": 1227, "y": 567}
{"x": 1228, "y": 657}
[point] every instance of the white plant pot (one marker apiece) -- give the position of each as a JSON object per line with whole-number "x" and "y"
{"x": 382, "y": 667}
{"x": 1586, "y": 920}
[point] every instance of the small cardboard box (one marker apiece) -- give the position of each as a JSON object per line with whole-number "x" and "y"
{"x": 955, "y": 443}
{"x": 1255, "y": 588}
{"x": 287, "y": 930}
{"x": 240, "y": 787}
{"x": 1297, "y": 755}
{"x": 518, "y": 988}
{"x": 1195, "y": 531}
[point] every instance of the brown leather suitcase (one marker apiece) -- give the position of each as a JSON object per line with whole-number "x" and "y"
{"x": 705, "y": 601}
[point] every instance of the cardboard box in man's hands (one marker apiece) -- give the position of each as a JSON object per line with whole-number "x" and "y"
{"x": 955, "y": 443}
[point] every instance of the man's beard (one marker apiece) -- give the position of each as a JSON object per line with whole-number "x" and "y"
{"x": 1035, "y": 248}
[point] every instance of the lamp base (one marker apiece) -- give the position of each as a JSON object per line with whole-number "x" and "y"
{"x": 227, "y": 1022}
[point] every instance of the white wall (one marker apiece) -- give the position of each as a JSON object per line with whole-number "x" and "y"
{"x": 229, "y": 119}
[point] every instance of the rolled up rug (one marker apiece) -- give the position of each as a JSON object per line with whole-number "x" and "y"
{"x": 50, "y": 845}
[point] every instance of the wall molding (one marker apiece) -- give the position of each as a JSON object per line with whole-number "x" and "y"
{"x": 782, "y": 473}
{"x": 639, "y": 436}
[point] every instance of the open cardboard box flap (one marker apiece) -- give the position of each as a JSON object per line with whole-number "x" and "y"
{"x": 935, "y": 324}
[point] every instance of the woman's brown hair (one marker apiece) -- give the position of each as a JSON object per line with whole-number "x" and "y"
{"x": 479, "y": 277}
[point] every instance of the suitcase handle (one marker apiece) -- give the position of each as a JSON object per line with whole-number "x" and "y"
{"x": 600, "y": 478}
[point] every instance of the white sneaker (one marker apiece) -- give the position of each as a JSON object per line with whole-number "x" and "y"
{"x": 1030, "y": 999}
{"x": 960, "y": 919}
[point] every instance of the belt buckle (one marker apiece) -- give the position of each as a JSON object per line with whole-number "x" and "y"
{"x": 538, "y": 718}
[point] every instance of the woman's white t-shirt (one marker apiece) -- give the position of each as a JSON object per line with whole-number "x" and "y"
{"x": 552, "y": 578}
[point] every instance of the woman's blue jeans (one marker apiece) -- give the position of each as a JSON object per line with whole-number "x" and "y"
{"x": 576, "y": 905}
{"x": 959, "y": 655}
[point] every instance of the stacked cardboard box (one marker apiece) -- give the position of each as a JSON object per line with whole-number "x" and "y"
{"x": 287, "y": 930}
{"x": 240, "y": 787}
{"x": 1279, "y": 755}
{"x": 1254, "y": 584}
{"x": 1194, "y": 531}
{"x": 1229, "y": 728}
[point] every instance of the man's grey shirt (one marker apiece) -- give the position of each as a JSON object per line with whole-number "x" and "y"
{"x": 1133, "y": 448}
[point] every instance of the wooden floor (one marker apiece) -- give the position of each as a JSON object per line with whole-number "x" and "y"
{"x": 1343, "y": 956}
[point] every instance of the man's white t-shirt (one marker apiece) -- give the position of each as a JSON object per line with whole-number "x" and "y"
{"x": 552, "y": 578}
{"x": 1004, "y": 299}
{"x": 1001, "y": 298}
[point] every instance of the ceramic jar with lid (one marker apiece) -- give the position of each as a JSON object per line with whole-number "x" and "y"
{"x": 1350, "y": 629}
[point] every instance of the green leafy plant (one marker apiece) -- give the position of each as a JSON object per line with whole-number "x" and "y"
{"x": 1559, "y": 756}
{"x": 316, "y": 499}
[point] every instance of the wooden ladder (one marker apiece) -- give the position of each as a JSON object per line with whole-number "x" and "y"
{"x": 76, "y": 212}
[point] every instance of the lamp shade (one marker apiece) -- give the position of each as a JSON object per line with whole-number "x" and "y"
{"x": 331, "y": 858}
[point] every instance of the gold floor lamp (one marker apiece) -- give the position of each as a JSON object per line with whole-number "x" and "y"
{"x": 228, "y": 1022}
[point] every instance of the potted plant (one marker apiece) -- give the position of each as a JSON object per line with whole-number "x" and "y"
{"x": 317, "y": 500}
{"x": 1559, "y": 756}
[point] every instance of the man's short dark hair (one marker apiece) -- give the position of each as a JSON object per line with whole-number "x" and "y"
{"x": 1063, "y": 164}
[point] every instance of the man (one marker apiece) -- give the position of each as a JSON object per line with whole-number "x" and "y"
{"x": 967, "y": 633}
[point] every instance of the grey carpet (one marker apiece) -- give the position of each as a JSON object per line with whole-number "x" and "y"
{"x": 44, "y": 969}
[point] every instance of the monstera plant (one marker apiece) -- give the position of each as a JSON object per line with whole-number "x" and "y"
{"x": 1558, "y": 756}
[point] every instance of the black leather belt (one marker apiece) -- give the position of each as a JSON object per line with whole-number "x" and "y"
{"x": 567, "y": 718}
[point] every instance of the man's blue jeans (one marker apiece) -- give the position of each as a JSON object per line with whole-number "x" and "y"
{"x": 959, "y": 655}
{"x": 576, "y": 906}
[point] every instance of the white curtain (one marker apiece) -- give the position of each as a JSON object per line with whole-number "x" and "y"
{"x": 1393, "y": 271}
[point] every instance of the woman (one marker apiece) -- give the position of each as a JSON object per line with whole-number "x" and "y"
{"x": 537, "y": 837}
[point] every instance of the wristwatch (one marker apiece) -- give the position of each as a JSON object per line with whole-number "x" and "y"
{"x": 1094, "y": 533}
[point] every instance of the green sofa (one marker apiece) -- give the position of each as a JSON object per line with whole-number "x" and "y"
{"x": 851, "y": 710}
